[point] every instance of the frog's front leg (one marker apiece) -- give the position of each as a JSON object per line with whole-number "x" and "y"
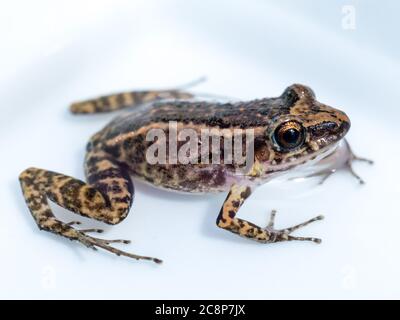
{"x": 227, "y": 220}
{"x": 352, "y": 158}
{"x": 107, "y": 197}
{"x": 345, "y": 162}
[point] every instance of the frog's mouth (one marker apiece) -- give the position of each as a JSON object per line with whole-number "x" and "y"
{"x": 309, "y": 167}
{"x": 306, "y": 161}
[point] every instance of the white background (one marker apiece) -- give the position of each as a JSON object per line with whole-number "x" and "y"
{"x": 55, "y": 52}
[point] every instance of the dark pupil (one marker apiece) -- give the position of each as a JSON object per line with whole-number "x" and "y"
{"x": 291, "y": 136}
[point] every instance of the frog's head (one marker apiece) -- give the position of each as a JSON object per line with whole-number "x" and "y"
{"x": 303, "y": 129}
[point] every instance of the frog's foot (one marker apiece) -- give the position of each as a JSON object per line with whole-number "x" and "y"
{"x": 325, "y": 174}
{"x": 285, "y": 234}
{"x": 94, "y": 243}
{"x": 73, "y": 223}
{"x": 86, "y": 231}
{"x": 350, "y": 157}
{"x": 95, "y": 230}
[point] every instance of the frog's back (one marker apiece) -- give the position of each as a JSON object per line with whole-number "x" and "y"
{"x": 125, "y": 139}
{"x": 255, "y": 113}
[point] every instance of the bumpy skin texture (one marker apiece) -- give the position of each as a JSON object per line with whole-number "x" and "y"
{"x": 119, "y": 150}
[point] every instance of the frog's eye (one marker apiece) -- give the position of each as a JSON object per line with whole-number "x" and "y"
{"x": 289, "y": 135}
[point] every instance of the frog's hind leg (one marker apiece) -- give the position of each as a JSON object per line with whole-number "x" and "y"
{"x": 107, "y": 198}
{"x": 124, "y": 100}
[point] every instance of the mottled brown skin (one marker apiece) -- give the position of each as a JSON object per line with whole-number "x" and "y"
{"x": 118, "y": 151}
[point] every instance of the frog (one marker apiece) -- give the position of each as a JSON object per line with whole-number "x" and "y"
{"x": 289, "y": 131}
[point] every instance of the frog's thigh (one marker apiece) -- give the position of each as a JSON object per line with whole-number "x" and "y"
{"x": 227, "y": 217}
{"x": 107, "y": 197}
{"x": 38, "y": 185}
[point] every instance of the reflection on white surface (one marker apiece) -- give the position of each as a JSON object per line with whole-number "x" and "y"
{"x": 56, "y": 53}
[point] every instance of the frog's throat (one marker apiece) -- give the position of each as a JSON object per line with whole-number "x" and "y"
{"x": 321, "y": 154}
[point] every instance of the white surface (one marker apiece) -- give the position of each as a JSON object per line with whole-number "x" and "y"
{"x": 56, "y": 52}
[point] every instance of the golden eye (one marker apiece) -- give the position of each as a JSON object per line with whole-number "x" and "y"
{"x": 289, "y": 135}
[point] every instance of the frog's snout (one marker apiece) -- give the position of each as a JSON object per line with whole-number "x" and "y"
{"x": 330, "y": 130}
{"x": 344, "y": 128}
{"x": 344, "y": 124}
